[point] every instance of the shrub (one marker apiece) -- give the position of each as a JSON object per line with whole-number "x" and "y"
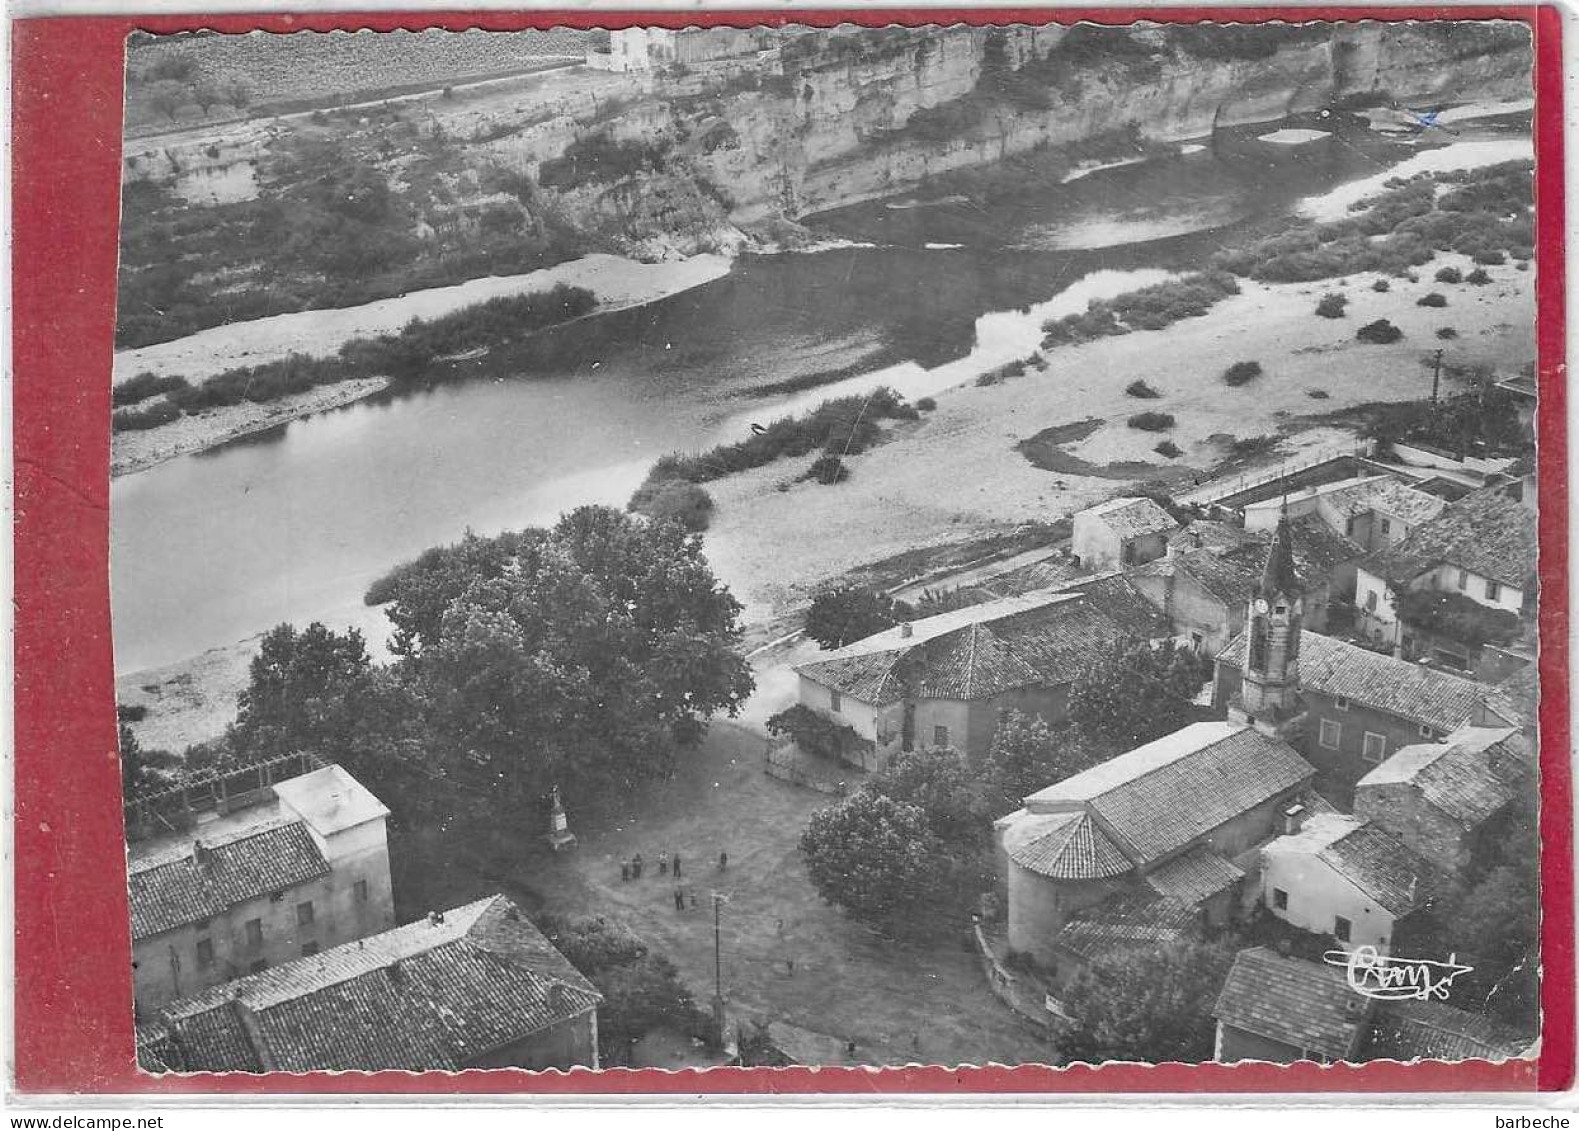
{"x": 816, "y": 734}
{"x": 1241, "y": 373}
{"x": 1382, "y": 286}
{"x": 678, "y": 501}
{"x": 1331, "y": 305}
{"x": 926, "y": 404}
{"x": 1435, "y": 298}
{"x": 143, "y": 386}
{"x": 1252, "y": 446}
{"x": 1168, "y": 448}
{"x": 1490, "y": 258}
{"x": 1450, "y": 275}
{"x": 1381, "y": 332}
{"x": 141, "y": 419}
{"x": 1317, "y": 394}
{"x": 1478, "y": 277}
{"x": 1142, "y": 390}
{"x": 1150, "y": 308}
{"x": 828, "y": 470}
{"x": 1151, "y": 421}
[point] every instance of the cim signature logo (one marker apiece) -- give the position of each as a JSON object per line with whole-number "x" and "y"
{"x": 1376, "y": 975}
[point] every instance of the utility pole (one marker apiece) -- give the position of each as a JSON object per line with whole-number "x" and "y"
{"x": 719, "y": 899}
{"x": 1436, "y": 378}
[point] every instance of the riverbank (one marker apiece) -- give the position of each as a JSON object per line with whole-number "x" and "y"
{"x": 618, "y": 283}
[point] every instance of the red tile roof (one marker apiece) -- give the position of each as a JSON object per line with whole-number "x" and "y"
{"x": 1193, "y": 876}
{"x": 1429, "y": 1030}
{"x": 1305, "y": 1005}
{"x": 169, "y": 894}
{"x": 1469, "y": 778}
{"x": 1485, "y": 532}
{"x": 1064, "y": 846}
{"x": 423, "y": 996}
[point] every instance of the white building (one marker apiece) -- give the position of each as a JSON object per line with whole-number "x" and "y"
{"x": 266, "y": 876}
{"x": 1374, "y": 511}
{"x": 1121, "y": 532}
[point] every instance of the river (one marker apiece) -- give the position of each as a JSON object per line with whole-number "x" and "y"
{"x": 292, "y": 525}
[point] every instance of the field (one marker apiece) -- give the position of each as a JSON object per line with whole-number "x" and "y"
{"x": 281, "y": 73}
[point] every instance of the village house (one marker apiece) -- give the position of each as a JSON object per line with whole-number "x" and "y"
{"x": 943, "y": 682}
{"x": 1120, "y": 533}
{"x": 1455, "y": 582}
{"x": 476, "y": 987}
{"x": 1446, "y": 800}
{"x": 1335, "y": 875}
{"x": 272, "y": 874}
{"x": 1146, "y": 842}
{"x": 1281, "y": 1009}
{"x": 1205, "y": 581}
{"x": 1373, "y": 512}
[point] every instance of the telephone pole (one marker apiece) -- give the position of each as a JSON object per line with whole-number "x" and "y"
{"x": 1436, "y": 378}
{"x": 719, "y": 899}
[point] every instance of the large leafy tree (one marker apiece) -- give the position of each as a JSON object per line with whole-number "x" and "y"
{"x": 587, "y": 661}
{"x": 145, "y": 771}
{"x": 1146, "y": 1003}
{"x": 842, "y": 616}
{"x": 1027, "y": 755}
{"x": 874, "y": 856}
{"x": 1136, "y": 693}
{"x": 307, "y": 691}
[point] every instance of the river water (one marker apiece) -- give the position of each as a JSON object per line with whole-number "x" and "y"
{"x": 293, "y": 524}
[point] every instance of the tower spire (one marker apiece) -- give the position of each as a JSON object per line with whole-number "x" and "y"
{"x": 1279, "y": 576}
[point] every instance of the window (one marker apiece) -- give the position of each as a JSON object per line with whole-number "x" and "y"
{"x": 1463, "y": 579}
{"x": 1341, "y": 928}
{"x": 200, "y": 925}
{"x": 1348, "y": 527}
{"x": 1331, "y": 734}
{"x": 1493, "y": 591}
{"x": 258, "y": 967}
{"x": 304, "y": 913}
{"x": 835, "y": 701}
{"x": 1341, "y": 703}
{"x": 277, "y": 897}
{"x": 1426, "y": 732}
{"x": 205, "y": 953}
{"x": 360, "y": 887}
{"x": 254, "y": 933}
{"x": 1375, "y": 749}
{"x": 309, "y": 949}
{"x": 1387, "y": 526}
{"x": 1370, "y": 600}
{"x": 940, "y": 736}
{"x": 1280, "y": 899}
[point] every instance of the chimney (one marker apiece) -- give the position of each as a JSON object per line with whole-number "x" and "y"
{"x": 1294, "y": 818}
{"x": 435, "y": 918}
{"x": 202, "y": 855}
{"x": 1195, "y": 536}
{"x": 906, "y": 631}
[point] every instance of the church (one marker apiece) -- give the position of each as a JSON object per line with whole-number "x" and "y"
{"x": 1345, "y": 707}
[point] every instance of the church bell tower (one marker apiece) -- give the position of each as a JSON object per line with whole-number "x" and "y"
{"x": 1272, "y": 624}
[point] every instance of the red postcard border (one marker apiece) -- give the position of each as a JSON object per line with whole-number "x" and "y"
{"x": 73, "y": 977}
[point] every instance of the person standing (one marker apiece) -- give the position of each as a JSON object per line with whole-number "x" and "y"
{"x": 679, "y": 898}
{"x": 625, "y": 869}
{"x": 723, "y": 861}
{"x": 636, "y": 866}
{"x": 677, "y": 865}
{"x": 663, "y": 863}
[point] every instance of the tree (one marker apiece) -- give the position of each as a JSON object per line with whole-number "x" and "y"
{"x": 237, "y": 94}
{"x": 874, "y": 856}
{"x": 306, "y": 692}
{"x": 958, "y": 804}
{"x": 641, "y": 996}
{"x": 1137, "y": 693}
{"x": 206, "y": 95}
{"x": 168, "y": 98}
{"x": 591, "y": 656}
{"x": 842, "y": 616}
{"x": 1027, "y": 755}
{"x": 145, "y": 771}
{"x": 1147, "y": 1004}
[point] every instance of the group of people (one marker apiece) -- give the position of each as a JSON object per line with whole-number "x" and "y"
{"x": 632, "y": 869}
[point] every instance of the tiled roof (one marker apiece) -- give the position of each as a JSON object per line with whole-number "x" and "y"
{"x": 1132, "y": 518}
{"x": 1485, "y": 532}
{"x": 1113, "y": 596}
{"x": 1194, "y": 876}
{"x": 1135, "y": 917}
{"x": 423, "y": 996}
{"x": 1305, "y": 1005}
{"x": 1231, "y": 569}
{"x": 1429, "y": 1030}
{"x": 1063, "y": 846}
{"x": 1158, "y": 797}
{"x": 1044, "y": 638}
{"x": 1408, "y": 691}
{"x": 171, "y": 893}
{"x": 1405, "y": 503}
{"x": 1383, "y": 867}
{"x": 1469, "y": 778}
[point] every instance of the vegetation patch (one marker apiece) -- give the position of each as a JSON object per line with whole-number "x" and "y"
{"x": 1150, "y": 308}
{"x": 1142, "y": 390}
{"x": 1046, "y": 451}
{"x": 1435, "y": 298}
{"x": 1381, "y": 286}
{"x": 1381, "y": 332}
{"x": 1332, "y": 305}
{"x": 1168, "y": 449}
{"x": 819, "y": 735}
{"x": 1151, "y": 421}
{"x": 1450, "y": 275}
{"x": 1477, "y": 277}
{"x": 676, "y": 501}
{"x": 1241, "y": 373}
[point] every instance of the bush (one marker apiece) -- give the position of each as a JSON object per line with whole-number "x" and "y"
{"x": 1490, "y": 258}
{"x": 1478, "y": 277}
{"x": 1252, "y": 446}
{"x": 1433, "y": 299}
{"x": 926, "y": 404}
{"x": 141, "y": 419}
{"x": 828, "y": 470}
{"x": 1241, "y": 373}
{"x": 1447, "y": 333}
{"x": 1317, "y": 394}
{"x": 1151, "y": 421}
{"x": 1381, "y": 286}
{"x": 1168, "y": 448}
{"x": 819, "y": 735}
{"x": 1381, "y": 332}
{"x": 1142, "y": 390}
{"x": 1150, "y": 308}
{"x": 143, "y": 386}
{"x": 1450, "y": 275}
{"x": 678, "y": 501}
{"x": 1331, "y": 305}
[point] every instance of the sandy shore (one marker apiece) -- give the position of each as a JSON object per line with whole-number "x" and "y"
{"x": 1334, "y": 205}
{"x": 956, "y": 474}
{"x": 618, "y": 282}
